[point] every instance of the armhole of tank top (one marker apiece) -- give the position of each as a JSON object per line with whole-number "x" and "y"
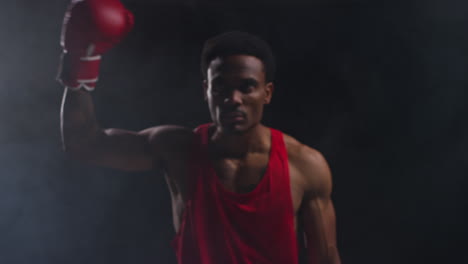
{"x": 283, "y": 152}
{"x": 196, "y": 149}
{"x": 195, "y": 153}
{"x": 191, "y": 181}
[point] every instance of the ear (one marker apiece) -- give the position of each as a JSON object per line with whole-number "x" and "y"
{"x": 205, "y": 88}
{"x": 269, "y": 88}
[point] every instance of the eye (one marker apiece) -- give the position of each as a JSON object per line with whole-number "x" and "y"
{"x": 220, "y": 91}
{"x": 247, "y": 87}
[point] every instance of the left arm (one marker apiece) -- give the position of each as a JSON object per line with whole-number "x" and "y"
{"x": 318, "y": 210}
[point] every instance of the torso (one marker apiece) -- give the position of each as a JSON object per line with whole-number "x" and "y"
{"x": 239, "y": 175}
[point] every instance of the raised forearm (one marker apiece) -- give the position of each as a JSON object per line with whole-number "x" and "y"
{"x": 90, "y": 28}
{"x": 79, "y": 127}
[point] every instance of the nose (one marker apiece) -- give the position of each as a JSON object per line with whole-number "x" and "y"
{"x": 233, "y": 98}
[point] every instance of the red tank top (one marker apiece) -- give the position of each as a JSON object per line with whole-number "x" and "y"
{"x": 223, "y": 227}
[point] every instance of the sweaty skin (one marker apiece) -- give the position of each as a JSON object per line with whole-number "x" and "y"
{"x": 236, "y": 92}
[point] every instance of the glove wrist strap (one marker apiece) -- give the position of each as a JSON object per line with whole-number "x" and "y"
{"x": 80, "y": 73}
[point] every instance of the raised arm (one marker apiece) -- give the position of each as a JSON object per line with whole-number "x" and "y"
{"x": 318, "y": 211}
{"x": 90, "y": 28}
{"x": 84, "y": 139}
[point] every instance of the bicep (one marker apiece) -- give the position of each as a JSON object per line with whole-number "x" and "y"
{"x": 122, "y": 149}
{"x": 130, "y": 150}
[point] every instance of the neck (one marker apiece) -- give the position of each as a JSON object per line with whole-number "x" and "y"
{"x": 238, "y": 145}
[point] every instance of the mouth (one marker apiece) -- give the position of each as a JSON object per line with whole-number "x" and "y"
{"x": 232, "y": 116}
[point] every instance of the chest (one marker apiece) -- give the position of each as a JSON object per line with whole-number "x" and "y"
{"x": 235, "y": 175}
{"x": 241, "y": 175}
{"x": 244, "y": 175}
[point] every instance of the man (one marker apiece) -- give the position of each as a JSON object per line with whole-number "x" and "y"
{"x": 237, "y": 187}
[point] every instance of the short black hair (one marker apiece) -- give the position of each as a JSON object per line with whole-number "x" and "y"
{"x": 238, "y": 43}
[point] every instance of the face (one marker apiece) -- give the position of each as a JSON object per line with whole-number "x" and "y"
{"x": 236, "y": 92}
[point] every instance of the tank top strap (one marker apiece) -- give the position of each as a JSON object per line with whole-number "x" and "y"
{"x": 202, "y": 133}
{"x": 280, "y": 167}
{"x": 197, "y": 157}
{"x": 278, "y": 145}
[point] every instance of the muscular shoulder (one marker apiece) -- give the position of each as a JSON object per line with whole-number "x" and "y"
{"x": 168, "y": 140}
{"x": 310, "y": 165}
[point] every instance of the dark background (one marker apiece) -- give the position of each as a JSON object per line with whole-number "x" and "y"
{"x": 379, "y": 87}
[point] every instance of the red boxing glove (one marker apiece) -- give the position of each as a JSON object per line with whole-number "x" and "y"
{"x": 90, "y": 28}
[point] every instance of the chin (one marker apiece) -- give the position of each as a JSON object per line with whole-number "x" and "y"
{"x": 234, "y": 128}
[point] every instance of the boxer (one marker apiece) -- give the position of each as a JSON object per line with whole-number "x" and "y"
{"x": 240, "y": 190}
